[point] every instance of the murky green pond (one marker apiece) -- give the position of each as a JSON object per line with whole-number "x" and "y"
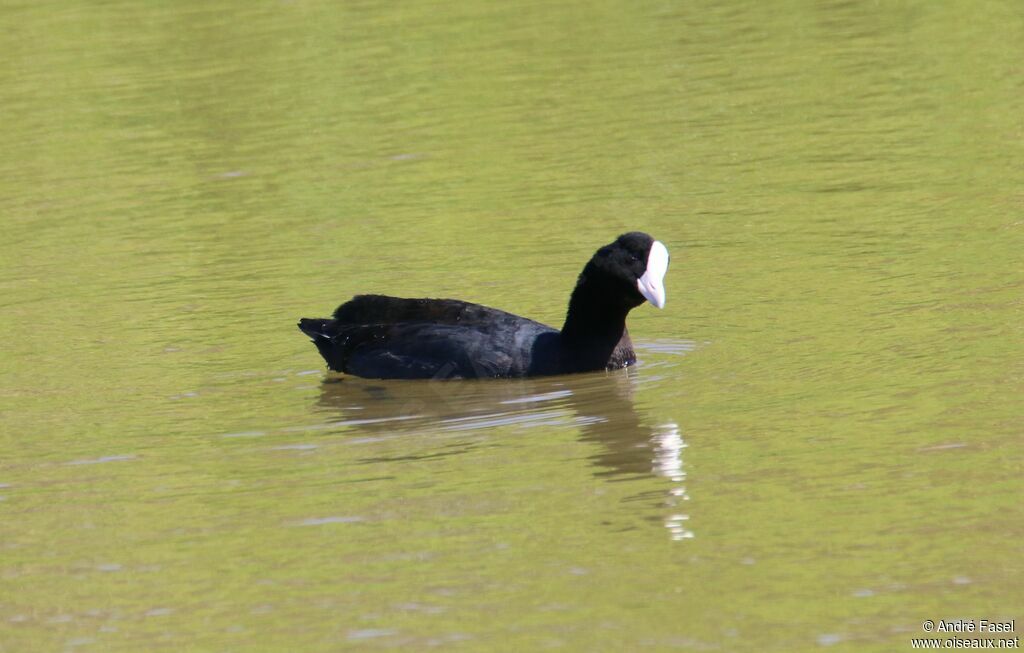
{"x": 822, "y": 445}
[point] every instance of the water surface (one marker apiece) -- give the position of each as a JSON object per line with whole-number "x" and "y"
{"x": 820, "y": 449}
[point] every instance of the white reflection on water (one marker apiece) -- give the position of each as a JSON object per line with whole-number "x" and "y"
{"x": 668, "y": 448}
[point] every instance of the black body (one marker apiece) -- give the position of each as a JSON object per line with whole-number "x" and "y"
{"x": 382, "y": 337}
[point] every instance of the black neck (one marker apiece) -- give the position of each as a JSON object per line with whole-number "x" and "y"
{"x": 594, "y": 325}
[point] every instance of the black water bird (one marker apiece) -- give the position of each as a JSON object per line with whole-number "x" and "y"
{"x": 382, "y": 337}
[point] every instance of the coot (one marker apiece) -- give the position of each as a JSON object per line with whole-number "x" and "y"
{"x": 382, "y": 337}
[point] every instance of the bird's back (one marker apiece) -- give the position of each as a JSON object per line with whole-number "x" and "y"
{"x": 377, "y": 336}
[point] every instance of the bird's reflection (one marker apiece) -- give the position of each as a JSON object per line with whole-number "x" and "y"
{"x": 600, "y": 405}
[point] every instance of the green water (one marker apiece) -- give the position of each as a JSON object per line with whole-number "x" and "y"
{"x": 821, "y": 448}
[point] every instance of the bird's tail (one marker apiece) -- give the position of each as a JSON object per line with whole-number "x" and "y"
{"x": 322, "y": 333}
{"x": 315, "y": 328}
